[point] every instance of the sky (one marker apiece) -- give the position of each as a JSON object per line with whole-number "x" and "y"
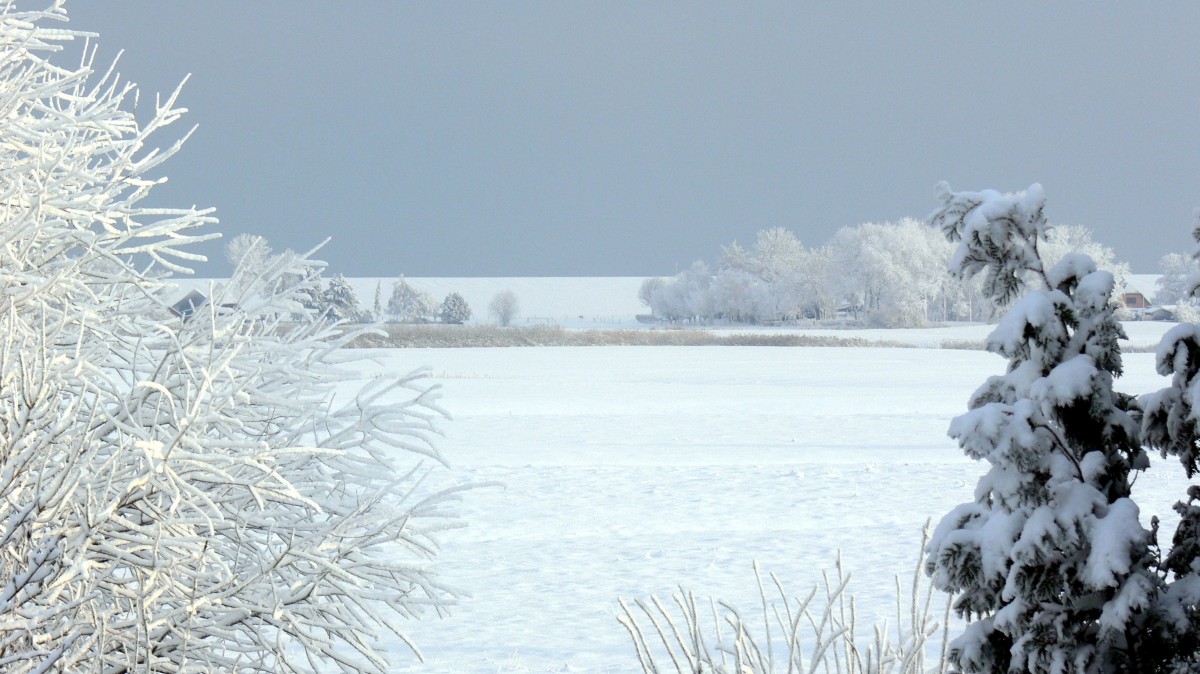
{"x": 631, "y": 138}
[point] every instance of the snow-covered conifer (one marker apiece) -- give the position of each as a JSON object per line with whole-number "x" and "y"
{"x": 178, "y": 495}
{"x": 338, "y": 301}
{"x": 1049, "y": 561}
{"x": 1171, "y": 423}
{"x": 455, "y": 309}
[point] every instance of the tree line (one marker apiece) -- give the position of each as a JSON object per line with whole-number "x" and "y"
{"x": 891, "y": 274}
{"x": 336, "y": 300}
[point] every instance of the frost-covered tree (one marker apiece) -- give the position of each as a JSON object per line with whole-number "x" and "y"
{"x": 686, "y": 296}
{"x": 178, "y": 496}
{"x": 1049, "y": 562}
{"x": 1062, "y": 240}
{"x": 741, "y": 297}
{"x": 410, "y": 305}
{"x": 338, "y": 301}
{"x": 377, "y": 307}
{"x": 504, "y": 307}
{"x": 649, "y": 288}
{"x": 248, "y": 251}
{"x": 896, "y": 272}
{"x": 455, "y": 309}
{"x": 1178, "y": 277}
{"x": 821, "y": 283}
{"x": 776, "y": 261}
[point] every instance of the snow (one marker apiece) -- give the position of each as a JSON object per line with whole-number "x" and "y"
{"x": 565, "y": 301}
{"x": 628, "y": 471}
{"x": 1069, "y": 381}
{"x": 1116, "y": 533}
{"x": 1074, "y": 265}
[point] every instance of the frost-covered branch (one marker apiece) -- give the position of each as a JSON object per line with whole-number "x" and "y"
{"x": 181, "y": 494}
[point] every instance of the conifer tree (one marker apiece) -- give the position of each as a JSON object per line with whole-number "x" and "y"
{"x": 1171, "y": 423}
{"x": 455, "y": 309}
{"x": 1049, "y": 562}
{"x": 339, "y": 303}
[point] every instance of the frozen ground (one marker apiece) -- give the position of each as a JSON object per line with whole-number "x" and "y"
{"x": 632, "y": 470}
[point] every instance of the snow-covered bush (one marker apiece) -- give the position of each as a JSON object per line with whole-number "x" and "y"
{"x": 1049, "y": 560}
{"x": 179, "y": 494}
{"x": 455, "y": 309}
{"x": 786, "y": 633}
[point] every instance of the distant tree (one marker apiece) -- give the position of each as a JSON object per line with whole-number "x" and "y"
{"x": 248, "y": 251}
{"x": 648, "y": 288}
{"x": 685, "y": 296}
{"x": 1062, "y": 240}
{"x": 338, "y": 301}
{"x": 1049, "y": 562}
{"x": 821, "y": 284}
{"x": 894, "y": 273}
{"x": 504, "y": 307}
{"x": 777, "y": 262}
{"x": 740, "y": 296}
{"x": 377, "y": 307}
{"x": 409, "y": 305}
{"x": 1178, "y": 278}
{"x": 455, "y": 309}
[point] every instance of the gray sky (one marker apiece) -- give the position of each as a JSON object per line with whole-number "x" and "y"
{"x": 630, "y": 138}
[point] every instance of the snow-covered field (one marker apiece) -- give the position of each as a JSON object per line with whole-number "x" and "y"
{"x": 1142, "y": 335}
{"x": 632, "y": 470}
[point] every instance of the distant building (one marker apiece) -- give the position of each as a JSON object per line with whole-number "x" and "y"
{"x": 1138, "y": 293}
{"x": 1134, "y": 300}
{"x": 1160, "y": 313}
{"x": 187, "y": 307}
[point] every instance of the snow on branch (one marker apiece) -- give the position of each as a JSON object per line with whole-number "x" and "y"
{"x": 182, "y": 492}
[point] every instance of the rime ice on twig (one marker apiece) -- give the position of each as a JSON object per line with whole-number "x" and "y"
{"x": 179, "y": 495}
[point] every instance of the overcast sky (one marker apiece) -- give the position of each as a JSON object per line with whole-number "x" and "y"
{"x": 611, "y": 138}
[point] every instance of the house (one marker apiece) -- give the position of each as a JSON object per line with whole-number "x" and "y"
{"x": 1138, "y": 293}
{"x": 1134, "y": 300}
{"x": 187, "y": 307}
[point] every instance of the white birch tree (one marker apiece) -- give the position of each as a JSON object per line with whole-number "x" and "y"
{"x": 179, "y": 496}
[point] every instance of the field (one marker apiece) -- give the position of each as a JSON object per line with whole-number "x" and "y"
{"x": 629, "y": 471}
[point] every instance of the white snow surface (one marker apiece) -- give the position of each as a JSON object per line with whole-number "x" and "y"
{"x": 634, "y": 470}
